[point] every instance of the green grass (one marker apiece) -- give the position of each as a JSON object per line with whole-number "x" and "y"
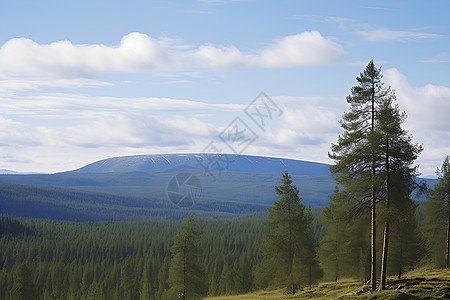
{"x": 424, "y": 283}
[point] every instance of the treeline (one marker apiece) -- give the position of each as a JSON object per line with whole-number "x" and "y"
{"x": 61, "y": 203}
{"x": 121, "y": 260}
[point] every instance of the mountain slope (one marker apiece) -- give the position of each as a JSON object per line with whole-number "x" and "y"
{"x": 28, "y": 201}
{"x": 246, "y": 185}
{"x": 226, "y": 162}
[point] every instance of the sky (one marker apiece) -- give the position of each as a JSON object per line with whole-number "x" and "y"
{"x": 83, "y": 80}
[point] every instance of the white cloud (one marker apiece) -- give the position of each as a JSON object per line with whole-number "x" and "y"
{"x": 218, "y": 57}
{"x": 116, "y": 131}
{"x": 442, "y": 57}
{"x": 10, "y": 87}
{"x": 13, "y": 133}
{"x": 138, "y": 52}
{"x": 305, "y": 49}
{"x": 308, "y": 48}
{"x": 311, "y": 118}
{"x": 68, "y": 106}
{"x": 340, "y": 21}
{"x": 387, "y": 35}
{"x": 428, "y": 108}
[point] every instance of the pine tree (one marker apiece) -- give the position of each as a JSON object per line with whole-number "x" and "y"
{"x": 437, "y": 217}
{"x": 345, "y": 246}
{"x": 147, "y": 290}
{"x": 244, "y": 274}
{"x": 356, "y": 153}
{"x": 226, "y": 279}
{"x": 308, "y": 253}
{"x": 398, "y": 154}
{"x": 23, "y": 287}
{"x": 128, "y": 280}
{"x": 288, "y": 247}
{"x": 186, "y": 273}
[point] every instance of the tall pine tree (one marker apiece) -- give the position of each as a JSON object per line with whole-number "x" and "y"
{"x": 398, "y": 154}
{"x": 356, "y": 153}
{"x": 186, "y": 273}
{"x": 437, "y": 217}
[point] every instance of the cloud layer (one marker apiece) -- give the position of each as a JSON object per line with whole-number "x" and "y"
{"x": 428, "y": 108}
{"x": 138, "y": 53}
{"x": 387, "y": 35}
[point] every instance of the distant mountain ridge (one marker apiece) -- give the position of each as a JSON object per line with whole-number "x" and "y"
{"x": 6, "y": 171}
{"x": 226, "y": 163}
{"x": 137, "y": 187}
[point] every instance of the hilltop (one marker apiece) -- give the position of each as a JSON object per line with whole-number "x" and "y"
{"x": 137, "y": 187}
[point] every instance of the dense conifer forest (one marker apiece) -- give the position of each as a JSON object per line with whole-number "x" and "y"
{"x": 131, "y": 260}
{"x": 371, "y": 229}
{"x": 121, "y": 260}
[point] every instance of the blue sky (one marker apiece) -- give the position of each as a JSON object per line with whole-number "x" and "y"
{"x": 85, "y": 80}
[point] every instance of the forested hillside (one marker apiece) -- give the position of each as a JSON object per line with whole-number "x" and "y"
{"x": 136, "y": 188}
{"x": 29, "y": 201}
{"x": 136, "y": 195}
{"x": 73, "y": 260}
{"x": 248, "y": 231}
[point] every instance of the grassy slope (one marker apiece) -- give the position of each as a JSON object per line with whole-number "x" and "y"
{"x": 421, "y": 283}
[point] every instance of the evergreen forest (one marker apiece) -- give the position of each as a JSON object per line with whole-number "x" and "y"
{"x": 371, "y": 229}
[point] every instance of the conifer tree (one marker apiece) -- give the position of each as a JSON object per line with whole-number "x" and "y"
{"x": 344, "y": 249}
{"x": 23, "y": 287}
{"x": 128, "y": 280}
{"x": 356, "y": 153}
{"x": 437, "y": 217}
{"x": 398, "y": 154}
{"x": 289, "y": 249}
{"x": 186, "y": 273}
{"x": 244, "y": 274}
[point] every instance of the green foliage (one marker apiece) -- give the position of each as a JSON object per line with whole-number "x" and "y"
{"x": 29, "y": 201}
{"x": 357, "y": 152}
{"x": 23, "y": 288}
{"x": 437, "y": 217}
{"x": 344, "y": 249}
{"x": 123, "y": 260}
{"x": 374, "y": 167}
{"x": 289, "y": 249}
{"x": 186, "y": 272}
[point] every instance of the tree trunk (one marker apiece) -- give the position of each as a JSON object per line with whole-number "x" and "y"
{"x": 401, "y": 259}
{"x": 184, "y": 271}
{"x": 448, "y": 223}
{"x": 386, "y": 225}
{"x": 310, "y": 275}
{"x": 373, "y": 265}
{"x": 336, "y": 263}
{"x": 384, "y": 257}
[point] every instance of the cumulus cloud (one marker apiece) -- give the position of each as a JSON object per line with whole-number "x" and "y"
{"x": 218, "y": 57}
{"x": 13, "y": 133}
{"x": 305, "y": 49}
{"x": 138, "y": 52}
{"x": 428, "y": 108}
{"x": 387, "y": 35}
{"x": 306, "y": 129}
